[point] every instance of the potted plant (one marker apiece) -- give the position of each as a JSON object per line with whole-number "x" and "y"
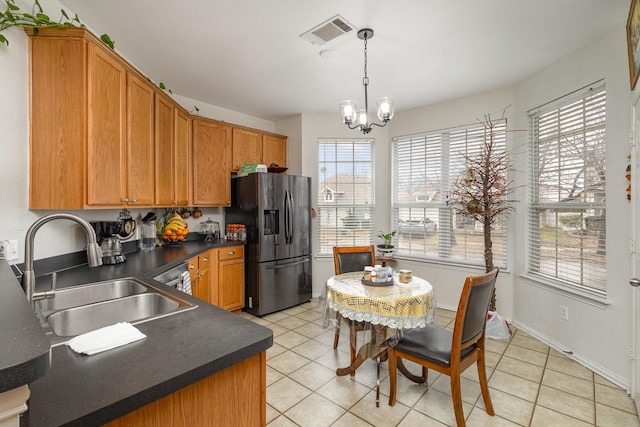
{"x": 386, "y": 249}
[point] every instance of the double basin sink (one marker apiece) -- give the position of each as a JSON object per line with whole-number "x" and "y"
{"x": 75, "y": 310}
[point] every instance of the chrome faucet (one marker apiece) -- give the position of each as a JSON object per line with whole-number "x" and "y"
{"x": 94, "y": 254}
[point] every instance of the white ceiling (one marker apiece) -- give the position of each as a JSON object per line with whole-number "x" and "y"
{"x": 247, "y": 56}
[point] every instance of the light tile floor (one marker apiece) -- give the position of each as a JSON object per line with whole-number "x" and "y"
{"x": 530, "y": 384}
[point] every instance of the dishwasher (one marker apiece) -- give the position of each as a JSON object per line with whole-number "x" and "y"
{"x": 176, "y": 277}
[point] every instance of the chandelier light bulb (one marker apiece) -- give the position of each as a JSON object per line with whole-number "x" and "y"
{"x": 385, "y": 108}
{"x": 348, "y": 110}
{"x": 362, "y": 117}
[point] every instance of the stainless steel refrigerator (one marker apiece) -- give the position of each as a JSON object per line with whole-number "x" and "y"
{"x": 276, "y": 210}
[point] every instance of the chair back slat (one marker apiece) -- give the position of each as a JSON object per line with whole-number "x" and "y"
{"x": 473, "y": 307}
{"x": 353, "y": 258}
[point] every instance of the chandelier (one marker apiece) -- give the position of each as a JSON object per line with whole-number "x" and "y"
{"x": 359, "y": 118}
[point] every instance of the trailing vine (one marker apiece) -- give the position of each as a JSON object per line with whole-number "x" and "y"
{"x": 14, "y": 17}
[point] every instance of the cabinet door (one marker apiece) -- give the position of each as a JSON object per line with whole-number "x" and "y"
{"x": 107, "y": 173}
{"x": 274, "y": 150}
{"x": 182, "y": 154}
{"x": 164, "y": 128}
{"x": 58, "y": 161}
{"x": 140, "y": 142}
{"x": 211, "y": 160}
{"x": 231, "y": 278}
{"x": 247, "y": 147}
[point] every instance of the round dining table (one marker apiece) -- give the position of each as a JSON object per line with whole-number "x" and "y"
{"x": 377, "y": 308}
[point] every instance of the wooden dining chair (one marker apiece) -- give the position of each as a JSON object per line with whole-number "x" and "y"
{"x": 451, "y": 352}
{"x": 345, "y": 260}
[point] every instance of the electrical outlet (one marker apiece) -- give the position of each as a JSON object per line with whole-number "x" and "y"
{"x": 11, "y": 250}
{"x": 564, "y": 312}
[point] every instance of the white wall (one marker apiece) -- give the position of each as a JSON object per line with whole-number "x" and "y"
{"x": 599, "y": 335}
{"x": 316, "y": 126}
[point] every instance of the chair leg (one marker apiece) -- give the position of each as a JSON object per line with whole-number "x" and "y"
{"x": 456, "y": 395}
{"x": 336, "y": 337}
{"x": 484, "y": 386}
{"x": 392, "y": 376}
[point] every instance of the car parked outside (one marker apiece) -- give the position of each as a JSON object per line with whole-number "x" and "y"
{"x": 417, "y": 227}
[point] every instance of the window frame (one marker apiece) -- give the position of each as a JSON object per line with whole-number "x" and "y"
{"x": 438, "y": 154}
{"x": 538, "y": 208}
{"x": 361, "y": 233}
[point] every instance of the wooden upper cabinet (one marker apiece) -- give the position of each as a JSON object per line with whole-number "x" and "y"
{"x": 103, "y": 136}
{"x": 182, "y": 155}
{"x": 173, "y": 151}
{"x": 106, "y": 146}
{"x": 274, "y": 150}
{"x": 247, "y": 147}
{"x": 91, "y": 125}
{"x": 165, "y": 128}
{"x": 58, "y": 121}
{"x": 140, "y": 142}
{"x": 211, "y": 163}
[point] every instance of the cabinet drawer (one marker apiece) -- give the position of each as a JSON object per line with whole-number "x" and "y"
{"x": 231, "y": 252}
{"x": 204, "y": 260}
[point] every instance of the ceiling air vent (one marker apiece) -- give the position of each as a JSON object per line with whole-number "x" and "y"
{"x": 328, "y": 30}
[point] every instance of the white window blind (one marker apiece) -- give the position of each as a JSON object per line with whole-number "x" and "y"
{"x": 567, "y": 209}
{"x": 425, "y": 166}
{"x": 345, "y": 193}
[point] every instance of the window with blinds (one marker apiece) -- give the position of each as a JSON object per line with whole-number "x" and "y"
{"x": 567, "y": 215}
{"x": 425, "y": 166}
{"x": 345, "y": 193}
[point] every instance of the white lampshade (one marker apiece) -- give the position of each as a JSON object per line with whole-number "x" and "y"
{"x": 348, "y": 111}
{"x": 385, "y": 108}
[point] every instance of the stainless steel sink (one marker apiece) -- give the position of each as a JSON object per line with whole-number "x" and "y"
{"x": 75, "y": 310}
{"x": 88, "y": 294}
{"x": 78, "y": 320}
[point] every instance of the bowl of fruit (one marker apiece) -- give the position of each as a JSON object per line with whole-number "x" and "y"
{"x": 172, "y": 229}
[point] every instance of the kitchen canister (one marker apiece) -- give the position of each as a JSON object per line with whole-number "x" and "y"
{"x": 405, "y": 276}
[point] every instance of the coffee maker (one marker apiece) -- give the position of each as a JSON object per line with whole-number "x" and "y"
{"x": 108, "y": 234}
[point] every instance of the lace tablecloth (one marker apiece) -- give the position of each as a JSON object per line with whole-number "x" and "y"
{"x": 397, "y": 306}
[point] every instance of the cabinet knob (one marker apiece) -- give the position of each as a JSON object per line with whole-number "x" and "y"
{"x": 232, "y": 252}
{"x": 191, "y": 266}
{"x": 206, "y": 259}
{"x": 125, "y": 200}
{"x": 134, "y": 200}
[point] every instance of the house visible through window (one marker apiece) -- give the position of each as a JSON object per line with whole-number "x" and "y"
{"x": 425, "y": 166}
{"x": 345, "y": 193}
{"x": 567, "y": 215}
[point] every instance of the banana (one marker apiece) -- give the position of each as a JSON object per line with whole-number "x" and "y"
{"x": 172, "y": 227}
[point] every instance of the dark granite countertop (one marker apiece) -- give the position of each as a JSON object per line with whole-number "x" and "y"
{"x": 179, "y": 349}
{"x": 24, "y": 348}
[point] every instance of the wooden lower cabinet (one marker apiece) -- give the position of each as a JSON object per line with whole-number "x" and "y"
{"x": 201, "y": 276}
{"x": 235, "y": 396}
{"x": 231, "y": 278}
{"x": 217, "y": 276}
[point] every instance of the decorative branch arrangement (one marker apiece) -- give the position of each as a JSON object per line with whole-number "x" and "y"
{"x": 483, "y": 193}
{"x": 14, "y": 17}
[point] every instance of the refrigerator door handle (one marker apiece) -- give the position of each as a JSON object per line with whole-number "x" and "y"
{"x": 273, "y": 267}
{"x": 290, "y": 217}
{"x": 286, "y": 217}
